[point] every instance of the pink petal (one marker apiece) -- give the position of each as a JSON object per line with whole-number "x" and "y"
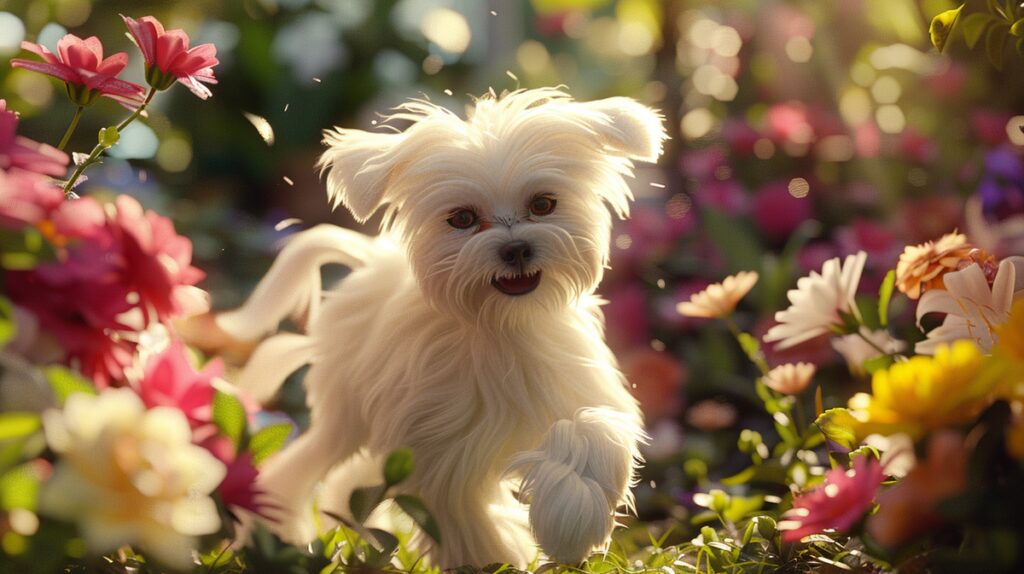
{"x": 113, "y": 65}
{"x": 169, "y": 47}
{"x": 196, "y": 87}
{"x": 78, "y": 53}
{"x": 41, "y": 51}
{"x": 59, "y": 71}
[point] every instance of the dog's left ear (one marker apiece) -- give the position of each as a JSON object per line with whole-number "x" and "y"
{"x": 359, "y": 167}
{"x": 633, "y": 130}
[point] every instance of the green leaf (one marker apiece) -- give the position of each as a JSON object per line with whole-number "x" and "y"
{"x": 885, "y": 296}
{"x": 8, "y": 328}
{"x": 416, "y": 510}
{"x": 229, "y": 416}
{"x": 398, "y": 466}
{"x": 839, "y": 426}
{"x": 995, "y": 44}
{"x": 742, "y": 506}
{"x": 383, "y": 544}
{"x": 974, "y": 26}
{"x": 18, "y": 425}
{"x": 66, "y": 382}
{"x": 19, "y": 488}
{"x": 879, "y": 363}
{"x": 942, "y": 25}
{"x": 1018, "y": 28}
{"x": 108, "y": 137}
{"x": 268, "y": 441}
{"x": 364, "y": 500}
{"x": 738, "y": 243}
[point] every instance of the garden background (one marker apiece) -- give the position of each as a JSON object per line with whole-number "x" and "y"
{"x": 800, "y": 131}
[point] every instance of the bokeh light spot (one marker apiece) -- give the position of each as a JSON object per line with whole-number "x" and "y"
{"x": 799, "y": 188}
{"x": 799, "y": 49}
{"x": 12, "y": 32}
{"x": 447, "y": 29}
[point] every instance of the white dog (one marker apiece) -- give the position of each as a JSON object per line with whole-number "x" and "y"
{"x": 469, "y": 329}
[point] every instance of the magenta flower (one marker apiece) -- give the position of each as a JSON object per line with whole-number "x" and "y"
{"x": 17, "y": 152}
{"x": 171, "y": 381}
{"x": 238, "y": 489}
{"x": 26, "y": 198}
{"x": 169, "y": 59}
{"x": 157, "y": 262}
{"x": 79, "y": 300}
{"x": 836, "y": 504}
{"x": 80, "y": 65}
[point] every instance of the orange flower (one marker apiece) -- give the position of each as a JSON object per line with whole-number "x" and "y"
{"x": 921, "y": 267}
{"x": 909, "y": 507}
{"x": 790, "y": 379}
{"x": 719, "y": 299}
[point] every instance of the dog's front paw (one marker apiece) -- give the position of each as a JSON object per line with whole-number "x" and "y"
{"x": 572, "y": 494}
{"x": 570, "y": 514}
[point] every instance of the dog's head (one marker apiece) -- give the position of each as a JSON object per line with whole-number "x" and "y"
{"x": 508, "y": 210}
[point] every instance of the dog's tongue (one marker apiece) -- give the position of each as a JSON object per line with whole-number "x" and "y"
{"x": 517, "y": 285}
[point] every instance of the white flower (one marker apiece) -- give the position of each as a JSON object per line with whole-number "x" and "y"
{"x": 130, "y": 476}
{"x": 719, "y": 299}
{"x": 857, "y": 351}
{"x": 816, "y": 303}
{"x": 790, "y": 379}
{"x": 973, "y": 307}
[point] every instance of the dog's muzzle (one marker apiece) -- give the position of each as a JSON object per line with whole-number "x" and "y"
{"x": 516, "y": 254}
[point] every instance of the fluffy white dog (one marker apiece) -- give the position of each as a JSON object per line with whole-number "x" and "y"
{"x": 469, "y": 329}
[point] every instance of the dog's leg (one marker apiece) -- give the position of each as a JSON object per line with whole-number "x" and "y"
{"x": 290, "y": 477}
{"x": 478, "y": 527}
{"x": 577, "y": 478}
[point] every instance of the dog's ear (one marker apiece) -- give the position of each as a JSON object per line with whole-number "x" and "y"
{"x": 359, "y": 167}
{"x": 632, "y": 130}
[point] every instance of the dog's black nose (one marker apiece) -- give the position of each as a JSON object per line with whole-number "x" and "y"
{"x": 515, "y": 252}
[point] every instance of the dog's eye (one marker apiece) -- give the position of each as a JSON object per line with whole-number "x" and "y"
{"x": 542, "y": 205}
{"x": 462, "y": 218}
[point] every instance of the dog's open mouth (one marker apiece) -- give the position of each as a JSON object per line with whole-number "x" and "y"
{"x": 517, "y": 284}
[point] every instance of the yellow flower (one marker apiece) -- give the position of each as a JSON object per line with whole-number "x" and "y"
{"x": 922, "y": 266}
{"x": 127, "y": 475}
{"x": 1007, "y": 361}
{"x": 790, "y": 379}
{"x": 925, "y": 393}
{"x": 719, "y": 299}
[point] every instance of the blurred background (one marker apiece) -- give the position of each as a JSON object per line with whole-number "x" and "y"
{"x": 801, "y": 130}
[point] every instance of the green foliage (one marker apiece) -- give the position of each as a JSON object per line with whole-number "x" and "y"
{"x": 997, "y": 23}
{"x": 65, "y": 382}
{"x": 268, "y": 441}
{"x": 885, "y": 297}
{"x": 8, "y": 328}
{"x": 229, "y": 416}
{"x": 398, "y": 466}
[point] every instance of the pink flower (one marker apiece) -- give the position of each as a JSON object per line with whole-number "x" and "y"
{"x": 169, "y": 59}
{"x": 26, "y": 198}
{"x": 80, "y": 64}
{"x": 836, "y": 504}
{"x": 157, "y": 262}
{"x": 17, "y": 152}
{"x": 656, "y": 379}
{"x": 777, "y": 213}
{"x": 170, "y": 380}
{"x": 238, "y": 489}
{"x": 79, "y": 299}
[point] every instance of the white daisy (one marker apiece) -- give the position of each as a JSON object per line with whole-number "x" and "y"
{"x": 972, "y": 306}
{"x": 817, "y": 302}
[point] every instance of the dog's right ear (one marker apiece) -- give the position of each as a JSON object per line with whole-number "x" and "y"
{"x": 359, "y": 167}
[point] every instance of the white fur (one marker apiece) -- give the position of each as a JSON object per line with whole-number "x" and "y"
{"x": 417, "y": 348}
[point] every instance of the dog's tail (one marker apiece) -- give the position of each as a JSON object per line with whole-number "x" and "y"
{"x": 292, "y": 287}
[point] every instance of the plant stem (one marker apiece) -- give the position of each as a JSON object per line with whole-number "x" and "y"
{"x": 872, "y": 344}
{"x": 757, "y": 359}
{"x": 71, "y": 128}
{"x": 99, "y": 148}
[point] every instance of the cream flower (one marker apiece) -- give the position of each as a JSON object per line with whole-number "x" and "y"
{"x": 972, "y": 306}
{"x": 790, "y": 379}
{"x": 719, "y": 299}
{"x": 857, "y": 351}
{"x": 921, "y": 267}
{"x": 816, "y": 303}
{"x": 130, "y": 476}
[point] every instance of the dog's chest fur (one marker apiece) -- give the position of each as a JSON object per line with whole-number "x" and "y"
{"x": 461, "y": 394}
